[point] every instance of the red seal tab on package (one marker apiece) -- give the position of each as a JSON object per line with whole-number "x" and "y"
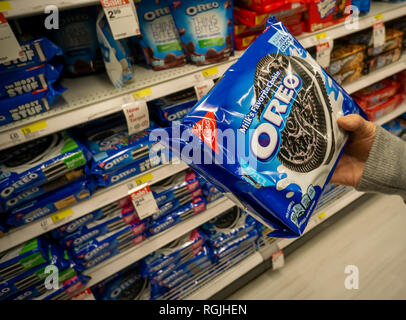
{"x": 122, "y": 18}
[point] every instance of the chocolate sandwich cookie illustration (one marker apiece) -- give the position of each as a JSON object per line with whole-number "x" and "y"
{"x": 305, "y": 142}
{"x": 228, "y": 219}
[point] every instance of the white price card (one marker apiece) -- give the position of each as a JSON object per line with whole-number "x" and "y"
{"x": 122, "y": 18}
{"x": 203, "y": 87}
{"x": 379, "y": 34}
{"x": 9, "y": 46}
{"x": 143, "y": 201}
{"x": 278, "y": 260}
{"x": 136, "y": 114}
{"x": 324, "y": 53}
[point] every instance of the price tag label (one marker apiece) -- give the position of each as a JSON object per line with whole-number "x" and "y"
{"x": 142, "y": 93}
{"x": 379, "y": 34}
{"x": 278, "y": 260}
{"x": 379, "y": 17}
{"x": 143, "y": 201}
{"x": 10, "y": 48}
{"x": 34, "y": 130}
{"x": 61, "y": 215}
{"x": 5, "y": 6}
{"x": 324, "y": 53}
{"x": 202, "y": 88}
{"x": 122, "y": 18}
{"x": 320, "y": 36}
{"x": 211, "y": 72}
{"x": 136, "y": 114}
{"x": 321, "y": 216}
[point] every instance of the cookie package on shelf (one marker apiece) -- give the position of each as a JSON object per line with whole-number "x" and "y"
{"x": 267, "y": 135}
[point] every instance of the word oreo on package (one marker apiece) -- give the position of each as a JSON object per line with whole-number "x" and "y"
{"x": 266, "y": 135}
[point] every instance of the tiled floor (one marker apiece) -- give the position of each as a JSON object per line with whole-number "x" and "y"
{"x": 372, "y": 237}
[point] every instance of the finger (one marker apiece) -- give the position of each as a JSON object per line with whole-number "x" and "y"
{"x": 355, "y": 123}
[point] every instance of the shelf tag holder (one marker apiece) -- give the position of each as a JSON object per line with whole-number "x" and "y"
{"x": 203, "y": 87}
{"x": 136, "y": 114}
{"x": 143, "y": 200}
{"x": 324, "y": 52}
{"x": 379, "y": 34}
{"x": 278, "y": 260}
{"x": 10, "y": 48}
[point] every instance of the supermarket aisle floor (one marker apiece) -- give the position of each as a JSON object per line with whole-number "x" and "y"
{"x": 372, "y": 237}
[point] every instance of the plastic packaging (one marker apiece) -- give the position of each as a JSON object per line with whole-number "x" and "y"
{"x": 384, "y": 107}
{"x": 376, "y": 93}
{"x": 114, "y": 54}
{"x": 31, "y": 80}
{"x": 34, "y": 53}
{"x": 160, "y": 39}
{"x": 39, "y": 161}
{"x": 271, "y": 166}
{"x": 349, "y": 75}
{"x": 346, "y": 57}
{"x": 205, "y": 29}
{"x": 29, "y": 104}
{"x": 383, "y": 59}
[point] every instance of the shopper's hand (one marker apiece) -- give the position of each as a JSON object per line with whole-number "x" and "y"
{"x": 351, "y": 165}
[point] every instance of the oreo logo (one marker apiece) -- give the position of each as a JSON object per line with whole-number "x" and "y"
{"x": 116, "y": 161}
{"x": 152, "y": 15}
{"x": 6, "y": 192}
{"x": 14, "y": 201}
{"x": 266, "y": 138}
{"x": 191, "y": 11}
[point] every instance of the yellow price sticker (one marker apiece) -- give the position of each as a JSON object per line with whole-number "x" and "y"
{"x": 34, "y": 127}
{"x": 209, "y": 72}
{"x": 321, "y": 35}
{"x": 61, "y": 215}
{"x": 145, "y": 178}
{"x": 321, "y": 216}
{"x": 379, "y": 17}
{"x": 142, "y": 93}
{"x": 5, "y": 6}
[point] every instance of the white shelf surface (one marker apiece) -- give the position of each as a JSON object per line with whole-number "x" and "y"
{"x": 101, "y": 198}
{"x": 121, "y": 261}
{"x": 380, "y": 12}
{"x": 401, "y": 109}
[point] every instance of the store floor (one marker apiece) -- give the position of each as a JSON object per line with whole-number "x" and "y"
{"x": 372, "y": 236}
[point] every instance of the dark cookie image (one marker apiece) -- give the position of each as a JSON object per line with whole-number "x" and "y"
{"x": 212, "y": 54}
{"x": 228, "y": 219}
{"x": 304, "y": 141}
{"x": 182, "y": 31}
{"x": 229, "y": 22}
{"x": 169, "y": 58}
{"x": 190, "y": 48}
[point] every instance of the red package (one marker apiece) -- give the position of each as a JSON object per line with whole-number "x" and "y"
{"x": 242, "y": 42}
{"x": 369, "y": 97}
{"x": 383, "y": 108}
{"x": 401, "y": 79}
{"x": 325, "y": 13}
{"x": 240, "y": 29}
{"x": 289, "y": 14}
{"x": 261, "y": 6}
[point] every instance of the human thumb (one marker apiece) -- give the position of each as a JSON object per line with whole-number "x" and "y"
{"x": 355, "y": 123}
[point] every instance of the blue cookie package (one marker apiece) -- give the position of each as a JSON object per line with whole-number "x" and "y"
{"x": 29, "y": 104}
{"x": 39, "y": 161}
{"x": 160, "y": 39}
{"x": 49, "y": 203}
{"x": 267, "y": 135}
{"x": 205, "y": 28}
{"x": 33, "y": 79}
{"x": 35, "y": 52}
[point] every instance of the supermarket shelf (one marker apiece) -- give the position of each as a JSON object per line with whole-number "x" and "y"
{"x": 23, "y": 8}
{"x": 380, "y": 12}
{"x": 98, "y": 200}
{"x": 92, "y": 97}
{"x": 325, "y": 213}
{"x": 150, "y": 245}
{"x": 227, "y": 277}
{"x": 377, "y": 75}
{"x": 394, "y": 114}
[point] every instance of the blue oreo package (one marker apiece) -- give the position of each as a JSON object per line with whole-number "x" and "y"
{"x": 39, "y": 161}
{"x": 29, "y": 104}
{"x": 70, "y": 288}
{"x": 205, "y": 28}
{"x": 196, "y": 206}
{"x": 35, "y": 52}
{"x": 160, "y": 41}
{"x": 267, "y": 134}
{"x": 114, "y": 149}
{"x": 210, "y": 192}
{"x": 49, "y": 203}
{"x": 32, "y": 79}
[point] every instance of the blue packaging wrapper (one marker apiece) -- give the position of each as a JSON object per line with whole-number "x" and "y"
{"x": 114, "y": 149}
{"x": 209, "y": 191}
{"x": 282, "y": 109}
{"x": 49, "y": 203}
{"x": 69, "y": 289}
{"x": 205, "y": 28}
{"x": 363, "y": 5}
{"x": 39, "y": 161}
{"x": 177, "y": 185}
{"x": 229, "y": 225}
{"x": 168, "y": 111}
{"x": 35, "y": 192}
{"x": 29, "y": 104}
{"x": 114, "y": 53}
{"x": 118, "y": 239}
{"x": 160, "y": 39}
{"x": 30, "y": 80}
{"x": 188, "y": 245}
{"x": 184, "y": 212}
{"x": 35, "y": 52}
